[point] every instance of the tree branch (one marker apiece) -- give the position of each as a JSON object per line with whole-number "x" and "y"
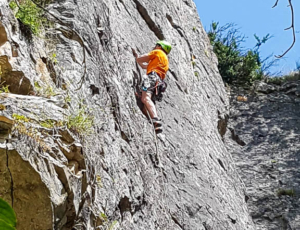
{"x": 275, "y": 4}
{"x": 291, "y": 27}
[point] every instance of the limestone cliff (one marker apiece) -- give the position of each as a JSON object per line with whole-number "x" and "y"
{"x": 267, "y": 127}
{"x": 77, "y": 152}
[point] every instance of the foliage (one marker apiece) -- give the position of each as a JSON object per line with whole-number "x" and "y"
{"x": 21, "y": 126}
{"x": 99, "y": 181}
{"x": 298, "y": 67}
{"x": 46, "y": 91}
{"x": 259, "y": 41}
{"x": 235, "y": 65}
{"x": 30, "y": 14}
{"x": 37, "y": 85}
{"x": 48, "y": 123}
{"x": 43, "y": 2}
{"x": 193, "y": 64}
{"x": 20, "y": 118}
{"x": 285, "y": 192}
{"x": 106, "y": 223}
{"x": 49, "y": 91}
{"x": 103, "y": 217}
{"x": 293, "y": 76}
{"x": 4, "y": 89}
{"x": 13, "y": 5}
{"x": 283, "y": 79}
{"x": 67, "y": 98}
{"x": 2, "y": 107}
{"x": 81, "y": 122}
{"x": 8, "y": 218}
{"x": 111, "y": 227}
{"x": 54, "y": 59}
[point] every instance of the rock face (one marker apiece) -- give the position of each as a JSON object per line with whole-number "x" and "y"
{"x": 267, "y": 126}
{"x": 74, "y": 118}
{"x": 21, "y": 186}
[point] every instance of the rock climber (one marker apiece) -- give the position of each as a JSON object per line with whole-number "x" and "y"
{"x": 157, "y": 64}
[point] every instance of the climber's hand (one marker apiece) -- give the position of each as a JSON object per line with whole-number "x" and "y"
{"x": 134, "y": 53}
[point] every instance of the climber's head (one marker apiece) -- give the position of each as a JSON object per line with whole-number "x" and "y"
{"x": 165, "y": 46}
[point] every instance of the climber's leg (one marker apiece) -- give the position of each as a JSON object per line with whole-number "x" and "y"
{"x": 146, "y": 99}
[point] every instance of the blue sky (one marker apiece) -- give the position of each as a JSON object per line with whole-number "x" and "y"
{"x": 258, "y": 17}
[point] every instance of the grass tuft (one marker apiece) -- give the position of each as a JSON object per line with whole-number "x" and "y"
{"x": 81, "y": 122}
{"x": 286, "y": 192}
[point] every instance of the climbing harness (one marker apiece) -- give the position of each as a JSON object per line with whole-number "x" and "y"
{"x": 157, "y": 90}
{"x": 160, "y": 88}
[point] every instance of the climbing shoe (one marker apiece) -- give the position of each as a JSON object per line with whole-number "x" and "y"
{"x": 158, "y": 130}
{"x": 157, "y": 125}
{"x": 156, "y": 122}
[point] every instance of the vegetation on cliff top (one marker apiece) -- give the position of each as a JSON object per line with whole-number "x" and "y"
{"x": 239, "y": 66}
{"x": 236, "y": 66}
{"x": 279, "y": 80}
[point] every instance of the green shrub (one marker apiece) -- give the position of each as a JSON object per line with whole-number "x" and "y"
{"x": 13, "y": 5}
{"x": 8, "y": 218}
{"x": 235, "y": 65}
{"x": 29, "y": 14}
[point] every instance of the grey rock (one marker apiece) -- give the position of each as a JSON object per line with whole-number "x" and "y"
{"x": 269, "y": 161}
{"x": 263, "y": 87}
{"x": 81, "y": 129}
{"x": 289, "y": 85}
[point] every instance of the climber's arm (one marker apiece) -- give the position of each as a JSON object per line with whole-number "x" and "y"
{"x": 142, "y": 60}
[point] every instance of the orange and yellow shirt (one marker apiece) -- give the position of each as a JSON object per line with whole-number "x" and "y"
{"x": 158, "y": 63}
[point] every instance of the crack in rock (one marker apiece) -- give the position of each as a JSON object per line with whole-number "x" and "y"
{"x": 11, "y": 179}
{"x": 180, "y": 31}
{"x": 151, "y": 24}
